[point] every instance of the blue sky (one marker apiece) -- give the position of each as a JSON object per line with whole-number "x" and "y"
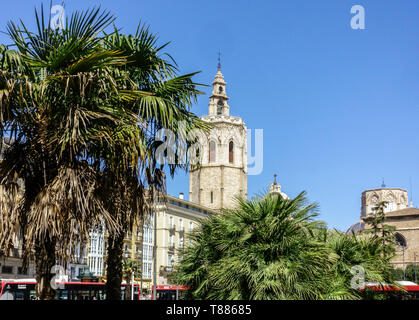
{"x": 339, "y": 107}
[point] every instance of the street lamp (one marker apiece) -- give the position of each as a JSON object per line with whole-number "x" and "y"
{"x": 404, "y": 269}
{"x": 132, "y": 285}
{"x": 154, "y": 253}
{"x": 142, "y": 263}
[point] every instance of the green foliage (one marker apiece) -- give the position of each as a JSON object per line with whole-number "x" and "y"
{"x": 83, "y": 109}
{"x": 130, "y": 267}
{"x": 412, "y": 272}
{"x": 273, "y": 248}
{"x": 384, "y": 233}
{"x": 397, "y": 274}
{"x": 353, "y": 250}
{"x": 409, "y": 275}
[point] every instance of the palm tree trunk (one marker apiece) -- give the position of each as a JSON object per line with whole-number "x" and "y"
{"x": 128, "y": 288}
{"x": 45, "y": 261}
{"x": 114, "y": 267}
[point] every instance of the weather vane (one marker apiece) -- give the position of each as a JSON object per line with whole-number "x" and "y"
{"x": 275, "y": 175}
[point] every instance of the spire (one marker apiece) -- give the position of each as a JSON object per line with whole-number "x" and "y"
{"x": 383, "y": 185}
{"x": 218, "y": 105}
{"x": 275, "y": 188}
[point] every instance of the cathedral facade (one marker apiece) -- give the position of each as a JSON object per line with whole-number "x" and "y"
{"x": 398, "y": 214}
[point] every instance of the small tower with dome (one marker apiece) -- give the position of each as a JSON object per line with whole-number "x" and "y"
{"x": 275, "y": 188}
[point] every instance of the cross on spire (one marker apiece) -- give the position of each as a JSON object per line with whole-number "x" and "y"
{"x": 383, "y": 185}
{"x": 275, "y": 175}
{"x": 219, "y": 60}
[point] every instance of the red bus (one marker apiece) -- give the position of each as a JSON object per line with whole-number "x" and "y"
{"x": 24, "y": 289}
{"x": 169, "y": 292}
{"x": 405, "y": 290}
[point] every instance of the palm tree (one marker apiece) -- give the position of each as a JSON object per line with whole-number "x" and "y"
{"x": 271, "y": 248}
{"x": 263, "y": 249}
{"x": 84, "y": 111}
{"x": 163, "y": 100}
{"x": 60, "y": 95}
{"x": 130, "y": 268}
{"x": 357, "y": 255}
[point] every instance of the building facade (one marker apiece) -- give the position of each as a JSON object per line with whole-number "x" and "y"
{"x": 11, "y": 263}
{"x": 399, "y": 214}
{"x": 222, "y": 173}
{"x": 175, "y": 220}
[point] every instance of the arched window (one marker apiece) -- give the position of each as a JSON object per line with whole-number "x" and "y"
{"x": 220, "y": 89}
{"x": 212, "y": 152}
{"x": 400, "y": 240}
{"x": 231, "y": 152}
{"x": 220, "y": 108}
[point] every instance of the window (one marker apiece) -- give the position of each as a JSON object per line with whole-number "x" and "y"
{"x": 220, "y": 89}
{"x": 180, "y": 242}
{"x": 212, "y": 152}
{"x": 7, "y": 269}
{"x": 391, "y": 206}
{"x": 190, "y": 226}
{"x": 20, "y": 271}
{"x": 170, "y": 260}
{"x": 219, "y": 108}
{"x": 180, "y": 224}
{"x": 170, "y": 221}
{"x": 15, "y": 252}
{"x": 231, "y": 152}
{"x": 400, "y": 240}
{"x": 212, "y": 197}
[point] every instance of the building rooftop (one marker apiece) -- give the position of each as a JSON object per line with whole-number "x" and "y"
{"x": 378, "y": 189}
{"x": 188, "y": 205}
{"x": 403, "y": 212}
{"x": 407, "y": 212}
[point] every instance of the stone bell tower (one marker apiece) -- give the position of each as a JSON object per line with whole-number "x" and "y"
{"x": 222, "y": 173}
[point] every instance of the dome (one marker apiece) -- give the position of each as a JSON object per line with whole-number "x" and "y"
{"x": 276, "y": 189}
{"x": 356, "y": 227}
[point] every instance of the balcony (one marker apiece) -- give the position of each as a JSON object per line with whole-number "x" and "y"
{"x": 79, "y": 260}
{"x": 171, "y": 246}
{"x": 172, "y": 228}
{"x": 12, "y": 253}
{"x": 181, "y": 229}
{"x": 166, "y": 269}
